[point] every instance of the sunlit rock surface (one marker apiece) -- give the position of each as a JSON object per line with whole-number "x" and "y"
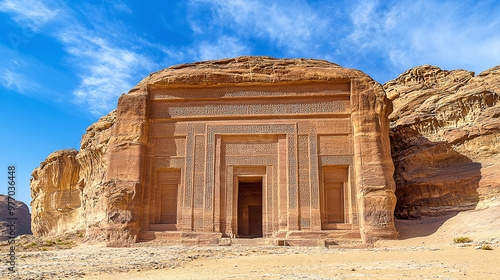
{"x": 445, "y": 139}
{"x": 112, "y": 187}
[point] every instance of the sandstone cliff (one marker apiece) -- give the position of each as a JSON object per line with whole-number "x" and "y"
{"x": 99, "y": 188}
{"x": 55, "y": 196}
{"x": 445, "y": 135}
{"x": 21, "y": 213}
{"x": 68, "y": 181}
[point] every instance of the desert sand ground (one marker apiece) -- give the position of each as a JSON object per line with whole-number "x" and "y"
{"x": 425, "y": 250}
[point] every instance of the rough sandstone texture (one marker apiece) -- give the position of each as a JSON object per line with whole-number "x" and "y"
{"x": 67, "y": 189}
{"x": 101, "y": 188}
{"x": 55, "y": 195}
{"x": 445, "y": 136}
{"x": 21, "y": 213}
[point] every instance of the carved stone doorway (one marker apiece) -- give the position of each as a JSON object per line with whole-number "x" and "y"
{"x": 250, "y": 207}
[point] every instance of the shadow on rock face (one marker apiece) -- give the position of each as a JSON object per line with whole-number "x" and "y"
{"x": 431, "y": 178}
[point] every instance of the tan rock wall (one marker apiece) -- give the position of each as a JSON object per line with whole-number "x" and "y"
{"x": 67, "y": 189}
{"x": 93, "y": 167}
{"x": 125, "y": 174}
{"x": 55, "y": 194}
{"x": 446, "y": 142}
{"x": 373, "y": 161}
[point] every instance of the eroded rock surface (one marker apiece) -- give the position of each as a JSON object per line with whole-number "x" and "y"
{"x": 66, "y": 189}
{"x": 445, "y": 135}
{"x": 22, "y": 216}
{"x": 55, "y": 195}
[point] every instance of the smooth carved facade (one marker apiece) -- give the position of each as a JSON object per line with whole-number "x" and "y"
{"x": 200, "y": 159}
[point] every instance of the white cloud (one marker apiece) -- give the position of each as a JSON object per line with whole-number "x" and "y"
{"x": 107, "y": 62}
{"x": 106, "y": 70}
{"x": 13, "y": 71}
{"x": 32, "y": 13}
{"x": 13, "y": 80}
{"x": 448, "y": 34}
{"x": 120, "y": 6}
{"x": 224, "y": 47}
{"x": 382, "y": 38}
{"x": 292, "y": 26}
{"x": 365, "y": 18}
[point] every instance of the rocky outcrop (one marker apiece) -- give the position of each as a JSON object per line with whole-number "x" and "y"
{"x": 55, "y": 194}
{"x": 102, "y": 185}
{"x": 66, "y": 185}
{"x": 20, "y": 213}
{"x": 370, "y": 109}
{"x": 445, "y": 135}
{"x": 93, "y": 162}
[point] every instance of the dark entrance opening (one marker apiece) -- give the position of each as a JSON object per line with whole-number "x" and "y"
{"x": 250, "y": 207}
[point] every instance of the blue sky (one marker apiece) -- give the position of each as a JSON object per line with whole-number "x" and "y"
{"x": 63, "y": 64}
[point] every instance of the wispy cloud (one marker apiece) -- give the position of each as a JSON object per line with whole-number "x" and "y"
{"x": 107, "y": 65}
{"x": 13, "y": 80}
{"x": 367, "y": 23}
{"x": 293, "y": 27}
{"x": 32, "y": 13}
{"x": 106, "y": 70}
{"x": 448, "y": 34}
{"x": 120, "y": 6}
{"x": 224, "y": 47}
{"x": 29, "y": 76}
{"x": 16, "y": 72}
{"x": 382, "y": 38}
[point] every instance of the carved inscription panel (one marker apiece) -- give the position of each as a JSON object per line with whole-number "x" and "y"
{"x": 313, "y": 89}
{"x": 252, "y": 149}
{"x": 250, "y": 107}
